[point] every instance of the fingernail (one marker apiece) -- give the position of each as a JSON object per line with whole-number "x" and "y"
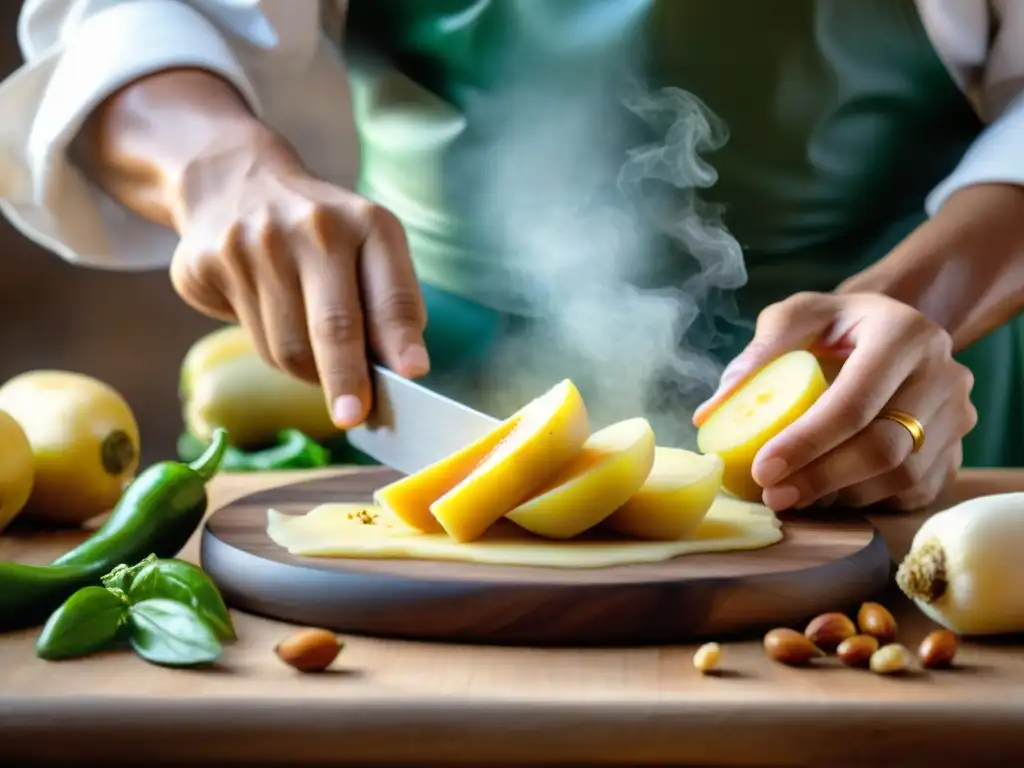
{"x": 769, "y": 472}
{"x": 347, "y": 411}
{"x": 415, "y": 361}
{"x": 781, "y": 497}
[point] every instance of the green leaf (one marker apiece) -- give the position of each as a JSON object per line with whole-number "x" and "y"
{"x": 184, "y": 583}
{"x": 88, "y": 621}
{"x": 172, "y": 634}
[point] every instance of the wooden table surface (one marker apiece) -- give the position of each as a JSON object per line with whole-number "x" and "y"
{"x": 419, "y": 704}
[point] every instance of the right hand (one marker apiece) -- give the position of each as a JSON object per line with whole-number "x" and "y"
{"x": 312, "y": 271}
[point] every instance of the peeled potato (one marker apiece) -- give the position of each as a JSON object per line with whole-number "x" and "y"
{"x": 756, "y": 412}
{"x": 409, "y": 499}
{"x": 548, "y": 433}
{"x": 611, "y": 467}
{"x": 675, "y": 498}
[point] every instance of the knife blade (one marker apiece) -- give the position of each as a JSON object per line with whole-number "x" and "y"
{"x": 411, "y": 427}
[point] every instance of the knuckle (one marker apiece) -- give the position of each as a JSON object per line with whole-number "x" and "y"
{"x": 232, "y": 243}
{"x": 338, "y": 326}
{"x": 939, "y": 342}
{"x": 803, "y": 300}
{"x": 379, "y": 218}
{"x": 914, "y": 498}
{"x": 295, "y": 356}
{"x": 399, "y": 308}
{"x": 908, "y": 476}
{"x": 890, "y": 455}
{"x": 964, "y": 380}
{"x": 366, "y": 217}
{"x": 815, "y": 483}
{"x": 807, "y": 446}
{"x": 854, "y": 410}
{"x": 326, "y": 227}
{"x": 969, "y": 419}
{"x": 780, "y": 313}
{"x": 196, "y": 275}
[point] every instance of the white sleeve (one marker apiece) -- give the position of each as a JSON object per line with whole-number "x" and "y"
{"x": 78, "y": 52}
{"x": 990, "y": 34}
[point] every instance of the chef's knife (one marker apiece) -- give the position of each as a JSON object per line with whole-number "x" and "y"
{"x": 411, "y": 427}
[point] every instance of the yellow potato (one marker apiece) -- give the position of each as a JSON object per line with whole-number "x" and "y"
{"x": 409, "y": 499}
{"x": 611, "y": 467}
{"x": 756, "y": 412}
{"x": 210, "y": 351}
{"x": 85, "y": 440}
{"x": 548, "y": 433}
{"x": 17, "y": 469}
{"x": 253, "y": 402}
{"x": 675, "y": 498}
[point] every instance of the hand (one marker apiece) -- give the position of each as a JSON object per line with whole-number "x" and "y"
{"x": 310, "y": 270}
{"x": 839, "y": 450}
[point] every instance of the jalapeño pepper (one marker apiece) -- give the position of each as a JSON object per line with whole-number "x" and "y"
{"x": 158, "y": 513}
{"x": 293, "y": 450}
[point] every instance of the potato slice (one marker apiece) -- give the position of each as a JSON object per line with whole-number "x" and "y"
{"x": 611, "y": 467}
{"x": 672, "y": 502}
{"x": 548, "y": 433}
{"x": 756, "y": 412}
{"x": 409, "y": 499}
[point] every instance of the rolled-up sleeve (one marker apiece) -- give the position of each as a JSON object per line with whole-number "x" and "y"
{"x": 79, "y": 52}
{"x": 997, "y": 155}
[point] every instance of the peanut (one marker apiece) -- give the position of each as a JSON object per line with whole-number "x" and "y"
{"x": 787, "y": 646}
{"x": 309, "y": 650}
{"x": 890, "y": 659}
{"x": 856, "y": 651}
{"x": 828, "y": 630}
{"x": 707, "y": 657}
{"x": 875, "y": 620}
{"x": 938, "y": 649}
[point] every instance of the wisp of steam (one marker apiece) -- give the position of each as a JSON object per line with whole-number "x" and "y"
{"x": 582, "y": 219}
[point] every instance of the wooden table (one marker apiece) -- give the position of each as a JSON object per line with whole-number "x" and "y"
{"x": 416, "y": 704}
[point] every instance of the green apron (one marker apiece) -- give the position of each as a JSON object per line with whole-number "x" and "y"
{"x": 490, "y": 126}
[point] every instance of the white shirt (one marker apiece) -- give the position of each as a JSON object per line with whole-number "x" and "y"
{"x": 78, "y": 52}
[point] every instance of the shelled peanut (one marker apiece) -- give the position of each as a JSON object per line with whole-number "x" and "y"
{"x": 867, "y": 643}
{"x": 309, "y": 650}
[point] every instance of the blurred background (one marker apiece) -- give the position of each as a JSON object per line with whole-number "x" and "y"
{"x": 129, "y": 330}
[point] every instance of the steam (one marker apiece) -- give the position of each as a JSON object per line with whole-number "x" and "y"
{"x": 593, "y": 230}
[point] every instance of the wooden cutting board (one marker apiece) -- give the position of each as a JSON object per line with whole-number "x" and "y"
{"x": 830, "y": 561}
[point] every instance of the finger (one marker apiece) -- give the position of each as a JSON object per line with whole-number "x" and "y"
{"x": 281, "y": 308}
{"x": 870, "y": 378}
{"x": 897, "y": 491}
{"x": 916, "y": 476}
{"x": 791, "y": 324}
{"x": 881, "y": 448}
{"x": 944, "y": 475}
{"x": 195, "y": 278}
{"x": 334, "y": 316}
{"x": 395, "y": 313}
{"x": 234, "y": 267}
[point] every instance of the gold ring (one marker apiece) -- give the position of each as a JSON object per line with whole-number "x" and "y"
{"x": 912, "y": 425}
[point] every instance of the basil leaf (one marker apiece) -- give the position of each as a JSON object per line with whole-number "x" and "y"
{"x": 122, "y": 575}
{"x": 88, "y": 621}
{"x": 184, "y": 583}
{"x": 170, "y": 633}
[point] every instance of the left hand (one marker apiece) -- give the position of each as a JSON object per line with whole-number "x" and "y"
{"x": 840, "y": 451}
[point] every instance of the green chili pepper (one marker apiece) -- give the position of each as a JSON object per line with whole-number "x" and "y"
{"x": 157, "y": 514}
{"x": 293, "y": 450}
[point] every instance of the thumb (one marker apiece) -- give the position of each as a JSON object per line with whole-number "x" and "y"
{"x": 791, "y": 324}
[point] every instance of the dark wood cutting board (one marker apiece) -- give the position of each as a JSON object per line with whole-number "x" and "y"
{"x": 830, "y": 561}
